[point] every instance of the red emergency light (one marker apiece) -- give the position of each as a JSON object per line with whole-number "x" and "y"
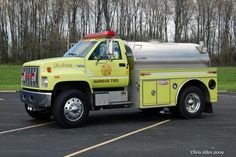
{"x": 107, "y": 34}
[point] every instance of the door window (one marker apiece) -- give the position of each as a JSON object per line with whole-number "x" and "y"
{"x": 116, "y": 51}
{"x": 101, "y": 51}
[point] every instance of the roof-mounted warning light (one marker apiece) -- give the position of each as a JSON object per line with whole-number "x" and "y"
{"x": 107, "y": 34}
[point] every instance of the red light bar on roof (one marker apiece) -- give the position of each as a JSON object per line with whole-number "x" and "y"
{"x": 107, "y": 34}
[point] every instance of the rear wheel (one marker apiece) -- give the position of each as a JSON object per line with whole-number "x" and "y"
{"x": 191, "y": 102}
{"x": 174, "y": 111}
{"x": 40, "y": 115}
{"x": 71, "y": 109}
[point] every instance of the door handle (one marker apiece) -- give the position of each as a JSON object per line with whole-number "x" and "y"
{"x": 121, "y": 64}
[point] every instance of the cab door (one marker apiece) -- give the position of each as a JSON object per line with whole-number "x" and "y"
{"x": 105, "y": 72}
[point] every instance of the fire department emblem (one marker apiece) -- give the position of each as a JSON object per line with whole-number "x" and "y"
{"x": 106, "y": 70}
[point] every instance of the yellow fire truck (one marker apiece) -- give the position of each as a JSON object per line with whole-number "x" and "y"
{"x": 103, "y": 72}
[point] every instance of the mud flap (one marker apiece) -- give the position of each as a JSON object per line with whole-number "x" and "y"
{"x": 208, "y": 108}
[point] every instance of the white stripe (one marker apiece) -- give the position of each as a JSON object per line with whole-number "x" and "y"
{"x": 24, "y": 128}
{"x": 109, "y": 77}
{"x": 178, "y": 73}
{"x": 115, "y": 139}
{"x": 230, "y": 96}
{"x": 1, "y": 99}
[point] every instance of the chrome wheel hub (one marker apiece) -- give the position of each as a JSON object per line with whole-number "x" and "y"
{"x": 73, "y": 109}
{"x": 192, "y": 102}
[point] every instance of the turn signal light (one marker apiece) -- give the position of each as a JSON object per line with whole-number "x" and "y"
{"x": 49, "y": 69}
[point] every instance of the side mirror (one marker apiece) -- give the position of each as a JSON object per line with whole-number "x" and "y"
{"x": 204, "y": 49}
{"x": 201, "y": 48}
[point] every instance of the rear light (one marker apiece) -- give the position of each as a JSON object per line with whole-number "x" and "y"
{"x": 107, "y": 34}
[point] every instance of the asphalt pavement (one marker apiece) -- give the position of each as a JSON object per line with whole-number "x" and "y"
{"x": 119, "y": 133}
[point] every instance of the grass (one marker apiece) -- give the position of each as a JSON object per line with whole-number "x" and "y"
{"x": 227, "y": 78}
{"x": 10, "y": 77}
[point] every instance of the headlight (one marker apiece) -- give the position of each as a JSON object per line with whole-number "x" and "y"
{"x": 44, "y": 82}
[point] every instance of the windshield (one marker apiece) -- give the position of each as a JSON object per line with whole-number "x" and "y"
{"x": 81, "y": 49}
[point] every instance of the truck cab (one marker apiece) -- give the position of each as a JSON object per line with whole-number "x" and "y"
{"x": 103, "y": 72}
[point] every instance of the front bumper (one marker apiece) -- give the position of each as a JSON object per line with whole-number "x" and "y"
{"x": 36, "y": 99}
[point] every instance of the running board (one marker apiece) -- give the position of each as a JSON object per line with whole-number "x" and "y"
{"x": 114, "y": 105}
{"x": 121, "y": 103}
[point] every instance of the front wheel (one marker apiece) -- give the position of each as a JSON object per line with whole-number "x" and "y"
{"x": 40, "y": 115}
{"x": 71, "y": 109}
{"x": 191, "y": 102}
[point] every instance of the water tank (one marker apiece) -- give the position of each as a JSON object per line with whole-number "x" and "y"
{"x": 151, "y": 55}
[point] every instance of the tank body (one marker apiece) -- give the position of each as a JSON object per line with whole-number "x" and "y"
{"x": 152, "y": 55}
{"x": 149, "y": 55}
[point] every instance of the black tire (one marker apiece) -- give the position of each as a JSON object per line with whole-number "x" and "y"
{"x": 174, "y": 111}
{"x": 40, "y": 115}
{"x": 191, "y": 102}
{"x": 69, "y": 97}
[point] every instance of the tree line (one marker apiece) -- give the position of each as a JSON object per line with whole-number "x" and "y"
{"x": 35, "y": 29}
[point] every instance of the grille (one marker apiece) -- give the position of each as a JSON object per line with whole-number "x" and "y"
{"x": 30, "y": 76}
